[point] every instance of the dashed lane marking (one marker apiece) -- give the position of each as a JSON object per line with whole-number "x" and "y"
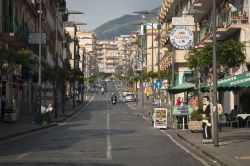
{"x": 242, "y": 157}
{"x": 21, "y": 156}
{"x": 109, "y": 146}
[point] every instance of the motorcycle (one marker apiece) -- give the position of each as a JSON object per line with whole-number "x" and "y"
{"x": 113, "y": 101}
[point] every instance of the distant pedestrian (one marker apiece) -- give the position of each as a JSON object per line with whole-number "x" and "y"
{"x": 220, "y": 113}
{"x": 178, "y": 101}
{"x": 147, "y": 94}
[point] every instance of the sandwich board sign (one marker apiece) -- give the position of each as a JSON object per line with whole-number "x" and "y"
{"x": 160, "y": 118}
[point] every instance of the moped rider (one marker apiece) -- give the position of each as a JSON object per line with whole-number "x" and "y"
{"x": 113, "y": 97}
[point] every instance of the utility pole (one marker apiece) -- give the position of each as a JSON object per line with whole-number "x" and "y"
{"x": 215, "y": 107}
{"x": 56, "y": 54}
{"x": 39, "y": 120}
{"x": 142, "y": 87}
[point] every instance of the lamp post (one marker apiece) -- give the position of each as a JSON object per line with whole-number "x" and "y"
{"x": 146, "y": 12}
{"x": 215, "y": 107}
{"x": 39, "y": 64}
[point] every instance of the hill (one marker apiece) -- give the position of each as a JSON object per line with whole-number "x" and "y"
{"x": 120, "y": 26}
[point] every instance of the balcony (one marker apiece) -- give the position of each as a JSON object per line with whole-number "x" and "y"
{"x": 234, "y": 19}
{"x": 229, "y": 23}
{"x": 14, "y": 34}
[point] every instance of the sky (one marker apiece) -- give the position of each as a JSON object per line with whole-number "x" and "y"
{"x": 97, "y": 12}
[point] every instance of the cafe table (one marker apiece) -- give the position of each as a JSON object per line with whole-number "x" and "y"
{"x": 244, "y": 117}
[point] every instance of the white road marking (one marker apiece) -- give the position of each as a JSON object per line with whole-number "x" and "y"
{"x": 185, "y": 149}
{"x": 74, "y": 116}
{"x": 21, "y": 156}
{"x": 242, "y": 157}
{"x": 109, "y": 146}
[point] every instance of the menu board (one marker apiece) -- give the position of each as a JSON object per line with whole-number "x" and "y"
{"x": 160, "y": 118}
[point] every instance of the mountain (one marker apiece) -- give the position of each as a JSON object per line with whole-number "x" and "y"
{"x": 121, "y": 26}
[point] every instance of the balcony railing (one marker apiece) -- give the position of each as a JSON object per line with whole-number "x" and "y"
{"x": 204, "y": 31}
{"x": 224, "y": 20}
{"x": 10, "y": 25}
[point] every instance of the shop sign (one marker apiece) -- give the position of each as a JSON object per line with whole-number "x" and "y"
{"x": 183, "y": 21}
{"x": 181, "y": 37}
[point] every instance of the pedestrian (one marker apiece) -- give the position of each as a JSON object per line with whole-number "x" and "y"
{"x": 178, "y": 101}
{"x": 147, "y": 94}
{"x": 3, "y": 103}
{"x": 230, "y": 6}
{"x": 206, "y": 121}
{"x": 220, "y": 113}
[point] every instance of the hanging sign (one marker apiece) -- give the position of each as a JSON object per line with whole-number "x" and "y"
{"x": 181, "y": 37}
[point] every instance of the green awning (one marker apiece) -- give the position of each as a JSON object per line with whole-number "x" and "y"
{"x": 234, "y": 82}
{"x": 185, "y": 87}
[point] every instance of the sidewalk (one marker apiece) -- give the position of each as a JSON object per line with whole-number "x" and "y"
{"x": 27, "y": 124}
{"x": 234, "y": 143}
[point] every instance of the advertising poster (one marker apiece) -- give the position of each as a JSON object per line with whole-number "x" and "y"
{"x": 160, "y": 118}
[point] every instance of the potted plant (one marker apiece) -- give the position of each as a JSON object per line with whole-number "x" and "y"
{"x": 195, "y": 123}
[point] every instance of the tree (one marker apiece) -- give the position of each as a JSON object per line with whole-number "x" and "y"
{"x": 201, "y": 60}
{"x": 231, "y": 54}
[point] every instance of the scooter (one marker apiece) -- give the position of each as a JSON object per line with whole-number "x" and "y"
{"x": 113, "y": 101}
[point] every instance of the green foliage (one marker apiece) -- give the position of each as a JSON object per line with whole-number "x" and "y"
{"x": 164, "y": 74}
{"x": 152, "y": 74}
{"x": 119, "y": 76}
{"x": 193, "y": 60}
{"x": 22, "y": 56}
{"x": 131, "y": 81}
{"x": 92, "y": 79}
{"x": 231, "y": 54}
{"x": 196, "y": 115}
{"x": 200, "y": 59}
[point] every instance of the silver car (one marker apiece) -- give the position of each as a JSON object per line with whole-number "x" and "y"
{"x": 130, "y": 97}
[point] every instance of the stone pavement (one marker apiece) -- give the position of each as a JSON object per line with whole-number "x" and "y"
{"x": 234, "y": 143}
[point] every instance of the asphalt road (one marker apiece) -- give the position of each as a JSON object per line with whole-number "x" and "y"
{"x": 101, "y": 134}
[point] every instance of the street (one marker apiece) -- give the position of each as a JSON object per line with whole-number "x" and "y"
{"x": 100, "y": 134}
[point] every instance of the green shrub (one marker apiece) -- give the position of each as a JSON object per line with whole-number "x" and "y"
{"x": 196, "y": 115}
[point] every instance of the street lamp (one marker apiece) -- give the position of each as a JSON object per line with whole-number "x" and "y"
{"x": 39, "y": 64}
{"x": 215, "y": 107}
{"x": 146, "y": 12}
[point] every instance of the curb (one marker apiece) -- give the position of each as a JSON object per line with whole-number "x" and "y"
{"x": 209, "y": 155}
{"x": 53, "y": 124}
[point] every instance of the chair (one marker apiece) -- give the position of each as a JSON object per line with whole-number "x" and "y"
{"x": 227, "y": 118}
{"x": 233, "y": 119}
{"x": 248, "y": 122}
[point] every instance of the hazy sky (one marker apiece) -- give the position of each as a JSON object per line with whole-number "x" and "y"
{"x": 97, "y": 12}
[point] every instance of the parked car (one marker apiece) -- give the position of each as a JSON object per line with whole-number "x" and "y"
{"x": 130, "y": 97}
{"x": 124, "y": 93}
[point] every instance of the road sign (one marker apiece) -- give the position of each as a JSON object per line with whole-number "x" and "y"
{"x": 158, "y": 85}
{"x": 34, "y": 38}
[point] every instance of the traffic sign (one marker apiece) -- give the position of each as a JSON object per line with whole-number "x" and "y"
{"x": 34, "y": 38}
{"x": 158, "y": 85}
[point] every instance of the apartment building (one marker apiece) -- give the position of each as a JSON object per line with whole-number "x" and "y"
{"x": 107, "y": 56}
{"x": 19, "y": 20}
{"x": 230, "y": 24}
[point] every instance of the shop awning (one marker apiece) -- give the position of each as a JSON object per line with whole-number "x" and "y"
{"x": 234, "y": 82}
{"x": 185, "y": 87}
